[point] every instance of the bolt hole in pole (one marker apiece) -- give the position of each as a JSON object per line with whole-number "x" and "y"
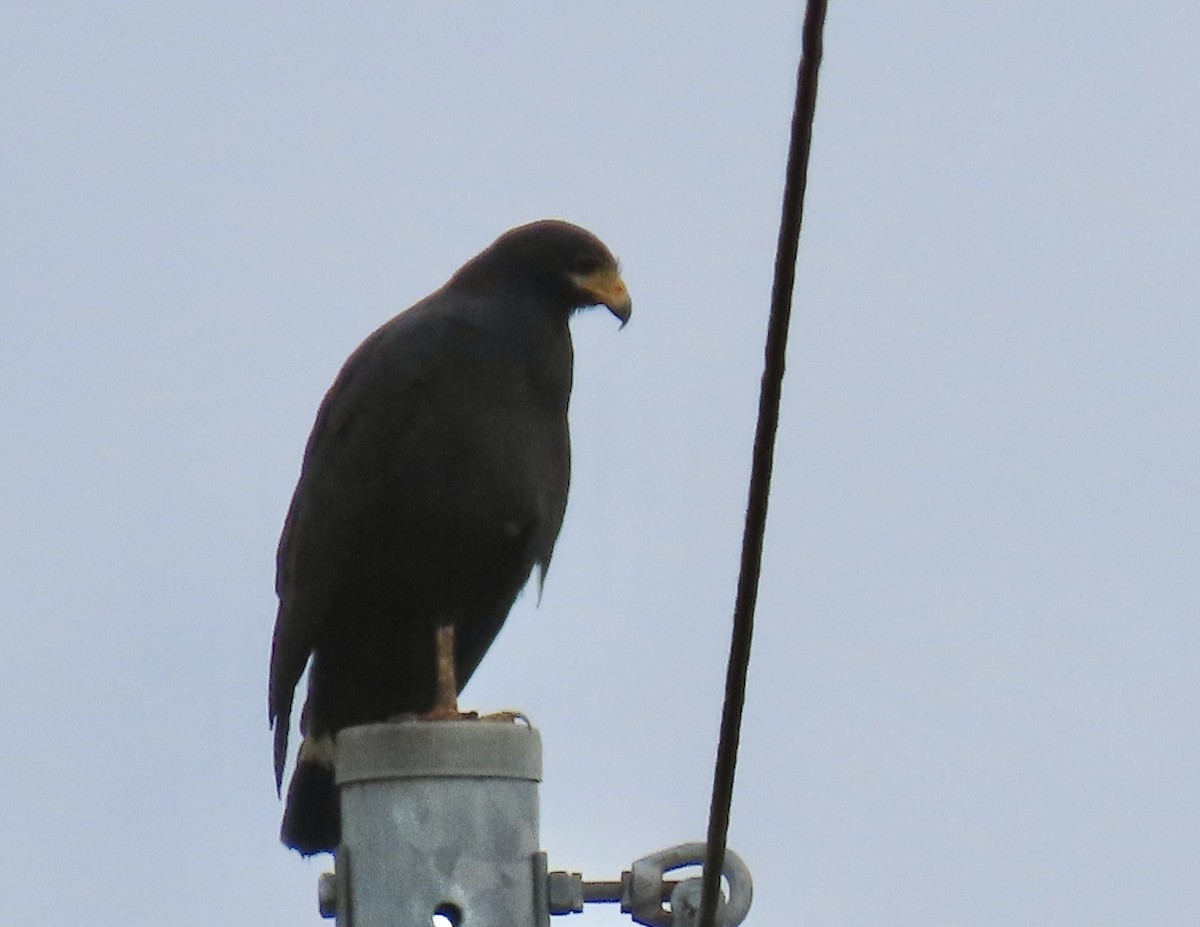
{"x": 447, "y": 914}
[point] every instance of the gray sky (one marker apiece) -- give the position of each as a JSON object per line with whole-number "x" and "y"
{"x": 974, "y": 691}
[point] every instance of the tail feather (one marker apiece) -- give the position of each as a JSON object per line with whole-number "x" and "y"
{"x": 311, "y": 819}
{"x": 280, "y": 754}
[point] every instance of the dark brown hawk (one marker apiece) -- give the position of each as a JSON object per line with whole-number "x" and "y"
{"x": 434, "y": 481}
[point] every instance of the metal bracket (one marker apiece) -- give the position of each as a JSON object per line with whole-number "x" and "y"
{"x": 651, "y": 900}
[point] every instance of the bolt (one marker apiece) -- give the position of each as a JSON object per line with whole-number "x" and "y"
{"x": 327, "y": 895}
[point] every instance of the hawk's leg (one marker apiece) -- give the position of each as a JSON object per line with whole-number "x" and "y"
{"x": 445, "y": 703}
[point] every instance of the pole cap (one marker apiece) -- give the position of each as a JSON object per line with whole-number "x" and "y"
{"x": 467, "y": 748}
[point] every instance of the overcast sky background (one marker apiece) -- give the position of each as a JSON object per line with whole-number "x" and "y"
{"x": 974, "y": 692}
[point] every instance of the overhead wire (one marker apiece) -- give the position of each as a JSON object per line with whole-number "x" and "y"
{"x": 796, "y": 178}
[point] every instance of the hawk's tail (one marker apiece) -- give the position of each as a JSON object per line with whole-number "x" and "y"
{"x": 311, "y": 819}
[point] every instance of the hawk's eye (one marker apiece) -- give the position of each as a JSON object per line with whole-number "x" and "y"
{"x": 585, "y": 262}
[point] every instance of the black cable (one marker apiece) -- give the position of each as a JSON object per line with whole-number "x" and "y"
{"x": 764, "y": 449}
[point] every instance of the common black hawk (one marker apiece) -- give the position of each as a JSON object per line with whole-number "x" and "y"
{"x": 434, "y": 481}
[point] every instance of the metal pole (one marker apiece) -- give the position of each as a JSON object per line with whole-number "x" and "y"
{"x": 439, "y": 826}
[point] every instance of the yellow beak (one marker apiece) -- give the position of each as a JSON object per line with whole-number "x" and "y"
{"x": 608, "y": 289}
